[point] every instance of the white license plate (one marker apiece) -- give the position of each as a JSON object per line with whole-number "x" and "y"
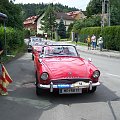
{"x": 70, "y": 91}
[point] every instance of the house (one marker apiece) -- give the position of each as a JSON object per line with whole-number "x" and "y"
{"x": 66, "y": 19}
{"x": 77, "y": 15}
{"x": 30, "y": 23}
{"x": 34, "y": 23}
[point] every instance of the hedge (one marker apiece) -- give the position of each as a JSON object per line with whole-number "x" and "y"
{"x": 111, "y": 36}
{"x": 14, "y": 39}
{"x": 89, "y": 31}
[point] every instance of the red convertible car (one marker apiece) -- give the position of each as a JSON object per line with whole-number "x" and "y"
{"x": 60, "y": 68}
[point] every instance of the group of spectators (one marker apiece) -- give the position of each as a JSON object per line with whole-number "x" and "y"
{"x": 94, "y": 42}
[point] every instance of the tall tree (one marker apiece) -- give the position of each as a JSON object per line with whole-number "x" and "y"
{"x": 49, "y": 20}
{"x": 115, "y": 12}
{"x": 94, "y": 7}
{"x": 61, "y": 29}
{"x": 13, "y": 12}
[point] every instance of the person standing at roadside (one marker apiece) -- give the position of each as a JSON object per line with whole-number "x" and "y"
{"x": 93, "y": 39}
{"x": 89, "y": 42}
{"x": 100, "y": 42}
{"x": 76, "y": 38}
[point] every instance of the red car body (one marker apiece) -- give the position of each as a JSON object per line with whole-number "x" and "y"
{"x": 68, "y": 73}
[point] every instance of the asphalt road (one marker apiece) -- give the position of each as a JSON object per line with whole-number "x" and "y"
{"x": 23, "y": 104}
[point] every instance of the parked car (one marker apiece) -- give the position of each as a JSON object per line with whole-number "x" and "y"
{"x": 37, "y": 49}
{"x": 32, "y": 41}
{"x": 60, "y": 68}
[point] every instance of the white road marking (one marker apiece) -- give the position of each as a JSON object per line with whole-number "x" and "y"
{"x": 113, "y": 75}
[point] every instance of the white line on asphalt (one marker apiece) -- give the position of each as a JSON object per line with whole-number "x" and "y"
{"x": 113, "y": 75}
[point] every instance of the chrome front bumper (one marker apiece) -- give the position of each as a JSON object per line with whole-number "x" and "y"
{"x": 79, "y": 84}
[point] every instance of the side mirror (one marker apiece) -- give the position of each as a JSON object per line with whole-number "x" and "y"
{"x": 39, "y": 60}
{"x": 89, "y": 60}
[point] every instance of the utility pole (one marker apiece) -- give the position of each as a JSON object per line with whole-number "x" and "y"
{"x": 104, "y": 3}
{"x": 108, "y": 11}
{"x": 103, "y": 13}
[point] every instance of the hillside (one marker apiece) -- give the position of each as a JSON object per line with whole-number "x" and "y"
{"x": 36, "y": 9}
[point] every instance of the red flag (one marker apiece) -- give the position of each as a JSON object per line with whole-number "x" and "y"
{"x": 5, "y": 79}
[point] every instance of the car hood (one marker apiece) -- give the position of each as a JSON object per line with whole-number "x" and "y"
{"x": 65, "y": 68}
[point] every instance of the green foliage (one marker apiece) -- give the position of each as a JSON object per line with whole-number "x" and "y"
{"x": 49, "y": 20}
{"x": 61, "y": 30}
{"x": 27, "y": 33}
{"x": 13, "y": 12}
{"x": 68, "y": 33}
{"x": 14, "y": 39}
{"x": 111, "y": 36}
{"x": 94, "y": 7}
{"x": 38, "y": 9}
{"x": 89, "y": 31}
{"x": 115, "y": 12}
{"x": 92, "y": 21}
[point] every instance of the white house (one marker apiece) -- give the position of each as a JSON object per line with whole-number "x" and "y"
{"x": 38, "y": 21}
{"x": 66, "y": 18}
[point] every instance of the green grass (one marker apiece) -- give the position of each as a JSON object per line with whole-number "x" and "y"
{"x": 13, "y": 54}
{"x": 79, "y": 43}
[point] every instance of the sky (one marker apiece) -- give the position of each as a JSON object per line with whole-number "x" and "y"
{"x": 80, "y": 4}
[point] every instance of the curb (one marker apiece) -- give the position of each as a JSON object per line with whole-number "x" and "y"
{"x": 105, "y": 55}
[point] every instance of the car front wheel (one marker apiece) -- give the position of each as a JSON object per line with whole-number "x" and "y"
{"x": 38, "y": 90}
{"x": 93, "y": 90}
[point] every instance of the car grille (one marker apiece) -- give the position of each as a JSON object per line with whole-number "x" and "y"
{"x": 68, "y": 81}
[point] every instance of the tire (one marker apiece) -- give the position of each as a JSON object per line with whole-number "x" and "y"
{"x": 93, "y": 90}
{"x": 32, "y": 57}
{"x": 28, "y": 51}
{"x": 39, "y": 91}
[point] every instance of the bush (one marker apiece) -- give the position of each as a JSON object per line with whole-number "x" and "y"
{"x": 14, "y": 39}
{"x": 111, "y": 36}
{"x": 89, "y": 31}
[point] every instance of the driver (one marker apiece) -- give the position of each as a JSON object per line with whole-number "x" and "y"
{"x": 66, "y": 50}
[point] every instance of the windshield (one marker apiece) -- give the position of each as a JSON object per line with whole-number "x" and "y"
{"x": 36, "y": 40}
{"x": 59, "y": 50}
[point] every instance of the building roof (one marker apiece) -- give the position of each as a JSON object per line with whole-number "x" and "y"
{"x": 73, "y": 14}
{"x": 33, "y": 19}
{"x": 30, "y": 20}
{"x": 63, "y": 15}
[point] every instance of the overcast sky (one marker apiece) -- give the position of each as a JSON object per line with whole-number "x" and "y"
{"x": 80, "y": 4}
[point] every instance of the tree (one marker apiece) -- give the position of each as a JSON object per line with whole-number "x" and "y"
{"x": 94, "y": 7}
{"x": 49, "y": 20}
{"x": 13, "y": 12}
{"x": 61, "y": 29}
{"x": 115, "y": 12}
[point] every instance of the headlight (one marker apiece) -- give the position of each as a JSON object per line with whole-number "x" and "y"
{"x": 44, "y": 76}
{"x": 96, "y": 74}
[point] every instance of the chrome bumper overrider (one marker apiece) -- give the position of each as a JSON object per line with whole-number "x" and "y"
{"x": 79, "y": 84}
